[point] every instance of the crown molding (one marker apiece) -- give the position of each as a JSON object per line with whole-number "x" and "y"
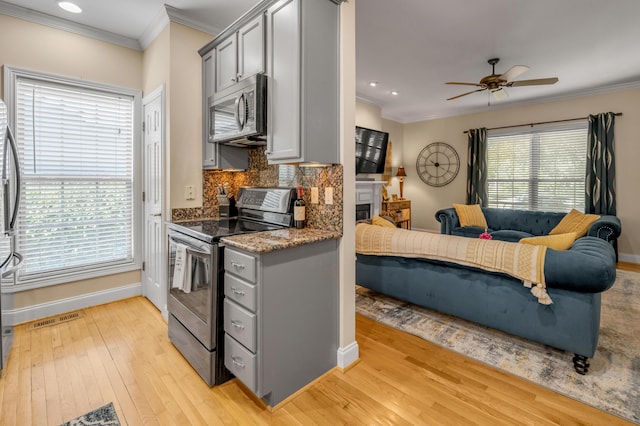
{"x": 176, "y": 15}
{"x": 168, "y": 14}
{"x": 155, "y": 27}
{"x": 66, "y": 25}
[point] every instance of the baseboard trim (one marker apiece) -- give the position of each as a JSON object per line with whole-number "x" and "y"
{"x": 44, "y": 310}
{"x": 348, "y": 355}
{"x": 632, "y": 258}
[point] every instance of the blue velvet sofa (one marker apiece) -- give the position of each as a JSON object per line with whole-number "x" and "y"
{"x": 575, "y": 279}
{"x": 513, "y": 225}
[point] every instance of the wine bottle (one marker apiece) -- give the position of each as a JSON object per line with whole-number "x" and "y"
{"x": 299, "y": 213}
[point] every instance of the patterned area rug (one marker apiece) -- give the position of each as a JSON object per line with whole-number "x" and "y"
{"x": 613, "y": 381}
{"x": 103, "y": 416}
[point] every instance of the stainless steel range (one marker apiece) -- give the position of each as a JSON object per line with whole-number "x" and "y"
{"x": 196, "y": 274}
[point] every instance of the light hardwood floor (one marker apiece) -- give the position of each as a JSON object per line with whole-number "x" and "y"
{"x": 120, "y": 353}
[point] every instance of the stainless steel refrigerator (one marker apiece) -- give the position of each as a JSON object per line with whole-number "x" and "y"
{"x": 10, "y": 260}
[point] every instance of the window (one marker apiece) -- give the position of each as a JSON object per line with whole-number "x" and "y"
{"x": 76, "y": 143}
{"x": 541, "y": 168}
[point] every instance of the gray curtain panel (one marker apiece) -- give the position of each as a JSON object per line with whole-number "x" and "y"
{"x": 477, "y": 167}
{"x": 601, "y": 165}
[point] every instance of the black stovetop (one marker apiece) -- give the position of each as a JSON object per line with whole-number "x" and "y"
{"x": 211, "y": 230}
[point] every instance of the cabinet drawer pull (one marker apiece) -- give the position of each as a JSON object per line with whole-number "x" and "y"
{"x": 237, "y": 324}
{"x": 236, "y": 291}
{"x": 237, "y": 265}
{"x": 236, "y": 361}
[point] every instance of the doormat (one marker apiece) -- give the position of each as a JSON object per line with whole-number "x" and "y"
{"x": 103, "y": 416}
{"x": 613, "y": 381}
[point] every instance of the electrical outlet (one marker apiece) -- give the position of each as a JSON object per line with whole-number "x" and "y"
{"x": 189, "y": 192}
{"x": 328, "y": 195}
{"x": 314, "y": 195}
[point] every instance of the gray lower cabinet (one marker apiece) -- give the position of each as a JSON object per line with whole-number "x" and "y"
{"x": 281, "y": 317}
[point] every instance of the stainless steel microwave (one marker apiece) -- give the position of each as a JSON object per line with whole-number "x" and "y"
{"x": 238, "y": 115}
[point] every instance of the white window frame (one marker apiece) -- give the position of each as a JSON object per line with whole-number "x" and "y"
{"x": 533, "y": 179}
{"x": 11, "y": 76}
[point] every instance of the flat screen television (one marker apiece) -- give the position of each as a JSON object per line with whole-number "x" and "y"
{"x": 371, "y": 150}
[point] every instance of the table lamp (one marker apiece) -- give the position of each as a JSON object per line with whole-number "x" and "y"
{"x": 401, "y": 174}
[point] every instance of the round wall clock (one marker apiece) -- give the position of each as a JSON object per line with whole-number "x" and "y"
{"x": 438, "y": 164}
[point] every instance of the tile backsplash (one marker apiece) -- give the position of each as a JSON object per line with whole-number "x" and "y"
{"x": 260, "y": 173}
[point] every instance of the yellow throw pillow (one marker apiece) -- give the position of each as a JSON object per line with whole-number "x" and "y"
{"x": 575, "y": 221}
{"x": 470, "y": 215}
{"x": 379, "y": 221}
{"x": 556, "y": 242}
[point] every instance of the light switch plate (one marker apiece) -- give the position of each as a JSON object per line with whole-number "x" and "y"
{"x": 314, "y": 195}
{"x": 328, "y": 195}
{"x": 189, "y": 192}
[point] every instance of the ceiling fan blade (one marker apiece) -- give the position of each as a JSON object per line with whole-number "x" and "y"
{"x": 500, "y": 94}
{"x": 537, "y": 82}
{"x": 468, "y": 93}
{"x": 514, "y": 72}
{"x": 464, "y": 84}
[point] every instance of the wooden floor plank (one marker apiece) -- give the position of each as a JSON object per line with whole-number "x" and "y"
{"x": 120, "y": 353}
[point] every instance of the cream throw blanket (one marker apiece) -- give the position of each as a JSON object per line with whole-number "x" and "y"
{"x": 522, "y": 261}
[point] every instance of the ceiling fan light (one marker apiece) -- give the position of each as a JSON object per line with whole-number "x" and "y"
{"x": 69, "y": 7}
{"x": 500, "y": 94}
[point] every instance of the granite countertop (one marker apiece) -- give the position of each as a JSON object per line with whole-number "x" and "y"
{"x": 263, "y": 242}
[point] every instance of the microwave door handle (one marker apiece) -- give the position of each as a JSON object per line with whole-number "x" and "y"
{"x": 18, "y": 177}
{"x": 240, "y": 115}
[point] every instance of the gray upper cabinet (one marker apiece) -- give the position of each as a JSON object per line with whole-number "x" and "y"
{"x": 240, "y": 55}
{"x": 303, "y": 72}
{"x": 215, "y": 156}
{"x": 209, "y": 151}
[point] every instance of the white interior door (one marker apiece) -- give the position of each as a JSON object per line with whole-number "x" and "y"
{"x": 153, "y": 274}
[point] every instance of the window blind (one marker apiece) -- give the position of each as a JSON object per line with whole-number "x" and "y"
{"x": 541, "y": 168}
{"x": 76, "y": 145}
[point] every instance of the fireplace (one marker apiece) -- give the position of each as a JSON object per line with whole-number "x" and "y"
{"x": 363, "y": 211}
{"x": 368, "y": 198}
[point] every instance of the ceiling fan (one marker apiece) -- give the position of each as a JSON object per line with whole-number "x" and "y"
{"x": 495, "y": 83}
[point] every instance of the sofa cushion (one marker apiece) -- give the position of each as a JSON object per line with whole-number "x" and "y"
{"x": 383, "y": 221}
{"x": 556, "y": 242}
{"x": 575, "y": 221}
{"x": 468, "y": 231}
{"x": 510, "y": 235}
{"x": 470, "y": 215}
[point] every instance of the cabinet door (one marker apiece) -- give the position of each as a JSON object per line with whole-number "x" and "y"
{"x": 209, "y": 150}
{"x": 283, "y": 60}
{"x": 251, "y": 48}
{"x": 226, "y": 63}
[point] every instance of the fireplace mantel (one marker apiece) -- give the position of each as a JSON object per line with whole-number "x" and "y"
{"x": 370, "y": 192}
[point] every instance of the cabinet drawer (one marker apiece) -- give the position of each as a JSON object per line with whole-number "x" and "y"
{"x": 397, "y": 205}
{"x": 240, "y": 362}
{"x": 240, "y": 324}
{"x": 240, "y": 264}
{"x": 240, "y": 291}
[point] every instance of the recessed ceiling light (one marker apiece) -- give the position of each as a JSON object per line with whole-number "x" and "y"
{"x": 373, "y": 83}
{"x": 69, "y": 7}
{"x": 394, "y": 93}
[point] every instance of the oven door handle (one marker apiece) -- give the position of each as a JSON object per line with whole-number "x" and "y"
{"x": 190, "y": 247}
